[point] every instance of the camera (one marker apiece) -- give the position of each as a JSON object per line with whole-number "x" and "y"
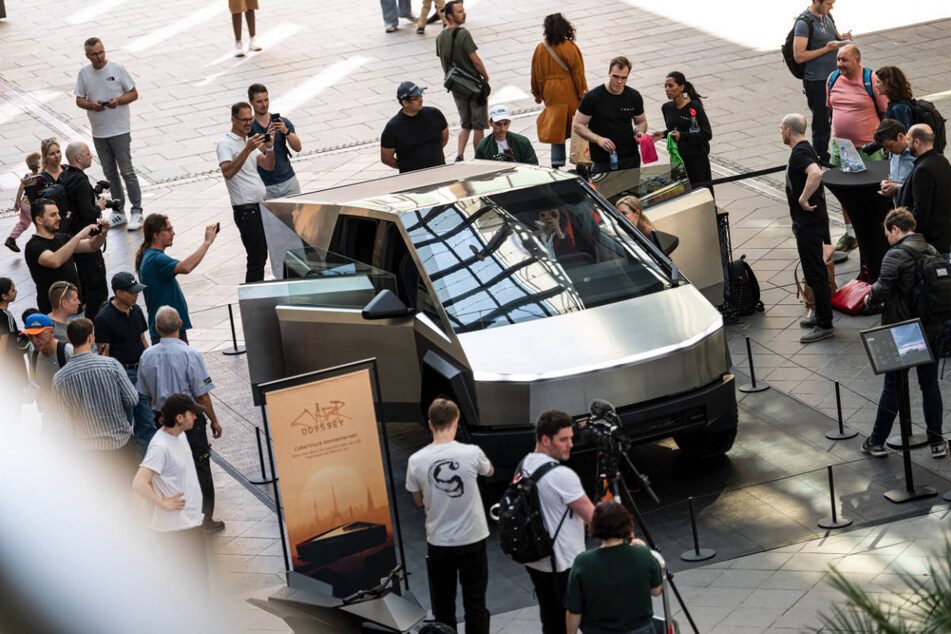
{"x": 114, "y": 205}
{"x": 507, "y": 155}
{"x": 95, "y": 232}
{"x": 100, "y": 187}
{"x": 603, "y": 430}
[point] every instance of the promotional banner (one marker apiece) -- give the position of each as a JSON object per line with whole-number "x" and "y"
{"x": 332, "y": 481}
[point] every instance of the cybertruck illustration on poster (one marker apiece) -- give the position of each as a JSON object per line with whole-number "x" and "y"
{"x": 509, "y": 288}
{"x": 341, "y": 541}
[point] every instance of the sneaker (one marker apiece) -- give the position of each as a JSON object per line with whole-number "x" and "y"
{"x": 391, "y": 29}
{"x": 253, "y": 45}
{"x": 136, "y": 221}
{"x": 421, "y": 30}
{"x": 212, "y": 526}
{"x": 817, "y": 334}
{"x": 117, "y": 219}
{"x": 939, "y": 450}
{"x": 877, "y": 450}
{"x": 434, "y": 18}
{"x": 238, "y": 48}
{"x": 846, "y": 243}
{"x": 12, "y": 245}
{"x": 808, "y": 322}
{"x": 459, "y": 158}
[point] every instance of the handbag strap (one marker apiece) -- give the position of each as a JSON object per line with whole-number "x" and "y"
{"x": 555, "y": 57}
{"x": 795, "y": 274}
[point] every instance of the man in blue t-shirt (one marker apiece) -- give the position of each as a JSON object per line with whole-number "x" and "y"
{"x": 818, "y": 54}
{"x": 157, "y": 270}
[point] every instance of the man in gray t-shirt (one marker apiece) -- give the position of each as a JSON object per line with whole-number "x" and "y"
{"x": 47, "y": 356}
{"x": 442, "y": 476}
{"x": 818, "y": 54}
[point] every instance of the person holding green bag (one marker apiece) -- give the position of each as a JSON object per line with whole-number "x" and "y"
{"x": 688, "y": 127}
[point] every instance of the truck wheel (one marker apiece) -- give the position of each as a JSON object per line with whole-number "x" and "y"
{"x": 703, "y": 443}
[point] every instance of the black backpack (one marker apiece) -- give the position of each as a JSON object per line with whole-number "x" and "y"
{"x": 742, "y": 289}
{"x": 925, "y": 112}
{"x": 931, "y": 295}
{"x": 522, "y": 530}
{"x": 60, "y": 356}
{"x": 798, "y": 70}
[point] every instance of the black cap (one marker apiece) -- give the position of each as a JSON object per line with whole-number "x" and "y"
{"x": 126, "y": 282}
{"x": 408, "y": 89}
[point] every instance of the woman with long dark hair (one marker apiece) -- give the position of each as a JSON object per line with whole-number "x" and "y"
{"x": 557, "y": 80}
{"x": 892, "y": 83}
{"x": 688, "y": 125}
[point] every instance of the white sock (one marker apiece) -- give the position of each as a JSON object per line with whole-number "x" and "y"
{"x": 849, "y": 231}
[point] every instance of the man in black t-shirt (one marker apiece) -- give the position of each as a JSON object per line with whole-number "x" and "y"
{"x": 810, "y": 223}
{"x": 604, "y": 119}
{"x": 415, "y": 137}
{"x": 49, "y": 255}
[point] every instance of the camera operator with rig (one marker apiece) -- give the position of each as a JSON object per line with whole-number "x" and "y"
{"x": 503, "y": 145}
{"x": 85, "y": 207}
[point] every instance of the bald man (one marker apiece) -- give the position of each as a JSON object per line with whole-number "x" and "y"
{"x": 810, "y": 223}
{"x": 927, "y": 190}
{"x": 84, "y": 208}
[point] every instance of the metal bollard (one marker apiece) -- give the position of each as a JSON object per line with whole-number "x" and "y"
{"x": 840, "y": 434}
{"x": 752, "y": 387}
{"x": 235, "y": 348}
{"x": 834, "y": 521}
{"x": 697, "y": 554}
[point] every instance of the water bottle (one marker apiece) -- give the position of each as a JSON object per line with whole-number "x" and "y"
{"x": 844, "y": 160}
{"x": 694, "y": 126}
{"x": 613, "y": 160}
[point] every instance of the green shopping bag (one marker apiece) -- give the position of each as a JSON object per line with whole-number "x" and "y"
{"x": 675, "y": 158}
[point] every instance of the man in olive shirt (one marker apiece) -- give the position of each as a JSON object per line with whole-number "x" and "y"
{"x": 415, "y": 137}
{"x": 455, "y": 46}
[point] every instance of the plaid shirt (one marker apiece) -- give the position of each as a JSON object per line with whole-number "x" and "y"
{"x": 93, "y": 392}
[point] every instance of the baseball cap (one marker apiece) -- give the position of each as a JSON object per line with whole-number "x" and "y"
{"x": 408, "y": 89}
{"x": 36, "y": 323}
{"x": 126, "y": 282}
{"x": 500, "y": 113}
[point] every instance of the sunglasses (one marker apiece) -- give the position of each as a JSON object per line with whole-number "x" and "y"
{"x": 70, "y": 287}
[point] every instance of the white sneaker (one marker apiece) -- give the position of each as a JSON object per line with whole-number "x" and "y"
{"x": 117, "y": 219}
{"x": 253, "y": 46}
{"x": 136, "y": 221}
{"x": 238, "y": 48}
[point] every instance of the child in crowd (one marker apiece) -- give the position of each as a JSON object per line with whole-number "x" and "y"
{"x": 22, "y": 203}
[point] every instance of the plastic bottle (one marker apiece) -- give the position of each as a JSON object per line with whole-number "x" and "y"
{"x": 613, "y": 160}
{"x": 844, "y": 160}
{"x": 694, "y": 126}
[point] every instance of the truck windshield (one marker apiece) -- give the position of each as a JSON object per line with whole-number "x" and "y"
{"x": 528, "y": 254}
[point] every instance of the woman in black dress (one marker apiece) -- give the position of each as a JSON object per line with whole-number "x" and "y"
{"x": 688, "y": 125}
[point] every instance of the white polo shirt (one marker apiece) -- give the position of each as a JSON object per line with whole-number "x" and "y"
{"x": 246, "y": 186}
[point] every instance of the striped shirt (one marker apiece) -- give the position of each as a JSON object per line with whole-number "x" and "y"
{"x": 93, "y": 392}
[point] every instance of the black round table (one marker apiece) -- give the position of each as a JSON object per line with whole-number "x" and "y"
{"x": 858, "y": 195}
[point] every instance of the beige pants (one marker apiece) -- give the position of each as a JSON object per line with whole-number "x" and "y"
{"x": 424, "y": 12}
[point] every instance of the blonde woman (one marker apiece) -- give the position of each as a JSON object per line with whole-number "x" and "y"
{"x": 632, "y": 209}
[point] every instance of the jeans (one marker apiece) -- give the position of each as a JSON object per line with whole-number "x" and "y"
{"x": 888, "y": 403}
{"x": 116, "y": 158}
{"x": 389, "y": 8}
{"x": 248, "y": 220}
{"x": 622, "y": 164}
{"x": 558, "y": 154}
{"x": 140, "y": 416}
{"x": 821, "y": 116}
{"x": 809, "y": 241}
{"x": 280, "y": 237}
{"x": 550, "y": 591}
{"x": 471, "y": 565}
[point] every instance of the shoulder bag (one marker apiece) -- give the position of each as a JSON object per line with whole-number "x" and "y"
{"x": 460, "y": 82}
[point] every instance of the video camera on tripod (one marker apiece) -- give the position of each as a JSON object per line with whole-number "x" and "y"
{"x": 603, "y": 429}
{"x": 102, "y": 186}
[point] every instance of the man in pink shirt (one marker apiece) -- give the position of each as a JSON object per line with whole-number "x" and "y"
{"x": 856, "y": 114}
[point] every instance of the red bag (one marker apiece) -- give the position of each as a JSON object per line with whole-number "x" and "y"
{"x": 648, "y": 151}
{"x": 850, "y": 298}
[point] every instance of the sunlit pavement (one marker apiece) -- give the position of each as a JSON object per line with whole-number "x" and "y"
{"x": 334, "y": 72}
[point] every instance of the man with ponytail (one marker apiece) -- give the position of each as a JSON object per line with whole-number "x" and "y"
{"x": 157, "y": 270}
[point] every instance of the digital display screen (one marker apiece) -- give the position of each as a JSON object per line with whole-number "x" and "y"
{"x": 896, "y": 347}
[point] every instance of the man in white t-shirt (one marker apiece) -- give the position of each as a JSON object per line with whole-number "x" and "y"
{"x": 168, "y": 480}
{"x": 563, "y": 501}
{"x": 240, "y": 154}
{"x": 104, "y": 90}
{"x": 443, "y": 477}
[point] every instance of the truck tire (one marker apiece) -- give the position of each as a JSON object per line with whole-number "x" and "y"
{"x": 703, "y": 443}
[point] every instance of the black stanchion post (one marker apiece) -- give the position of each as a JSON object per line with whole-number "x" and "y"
{"x": 264, "y": 478}
{"x": 834, "y": 521}
{"x": 910, "y": 492}
{"x": 752, "y": 386}
{"x": 697, "y": 554}
{"x": 840, "y": 434}
{"x": 235, "y": 348}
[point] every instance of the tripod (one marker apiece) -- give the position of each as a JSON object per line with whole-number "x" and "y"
{"x": 611, "y": 480}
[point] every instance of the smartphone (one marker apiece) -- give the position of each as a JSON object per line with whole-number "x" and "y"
{"x": 267, "y": 137}
{"x": 275, "y": 117}
{"x": 217, "y": 228}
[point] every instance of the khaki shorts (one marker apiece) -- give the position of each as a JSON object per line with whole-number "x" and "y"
{"x": 472, "y": 115}
{"x": 240, "y": 6}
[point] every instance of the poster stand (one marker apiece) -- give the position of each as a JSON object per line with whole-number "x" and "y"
{"x": 307, "y": 604}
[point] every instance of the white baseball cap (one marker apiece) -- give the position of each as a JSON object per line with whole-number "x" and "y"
{"x": 500, "y": 113}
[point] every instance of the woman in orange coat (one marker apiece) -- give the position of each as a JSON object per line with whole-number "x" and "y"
{"x": 558, "y": 80}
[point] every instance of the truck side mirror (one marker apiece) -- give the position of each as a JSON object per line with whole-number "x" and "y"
{"x": 666, "y": 242}
{"x": 386, "y": 305}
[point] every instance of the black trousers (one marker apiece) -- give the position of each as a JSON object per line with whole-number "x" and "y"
{"x": 809, "y": 241}
{"x": 91, "y": 268}
{"x": 470, "y": 564}
{"x": 248, "y": 220}
{"x": 821, "y": 116}
{"x": 697, "y": 167}
{"x": 197, "y": 438}
{"x": 550, "y": 591}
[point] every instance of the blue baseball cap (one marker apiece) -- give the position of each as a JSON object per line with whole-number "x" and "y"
{"x": 37, "y": 323}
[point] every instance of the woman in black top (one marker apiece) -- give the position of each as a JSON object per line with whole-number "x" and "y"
{"x": 52, "y": 169}
{"x": 11, "y": 352}
{"x": 688, "y": 125}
